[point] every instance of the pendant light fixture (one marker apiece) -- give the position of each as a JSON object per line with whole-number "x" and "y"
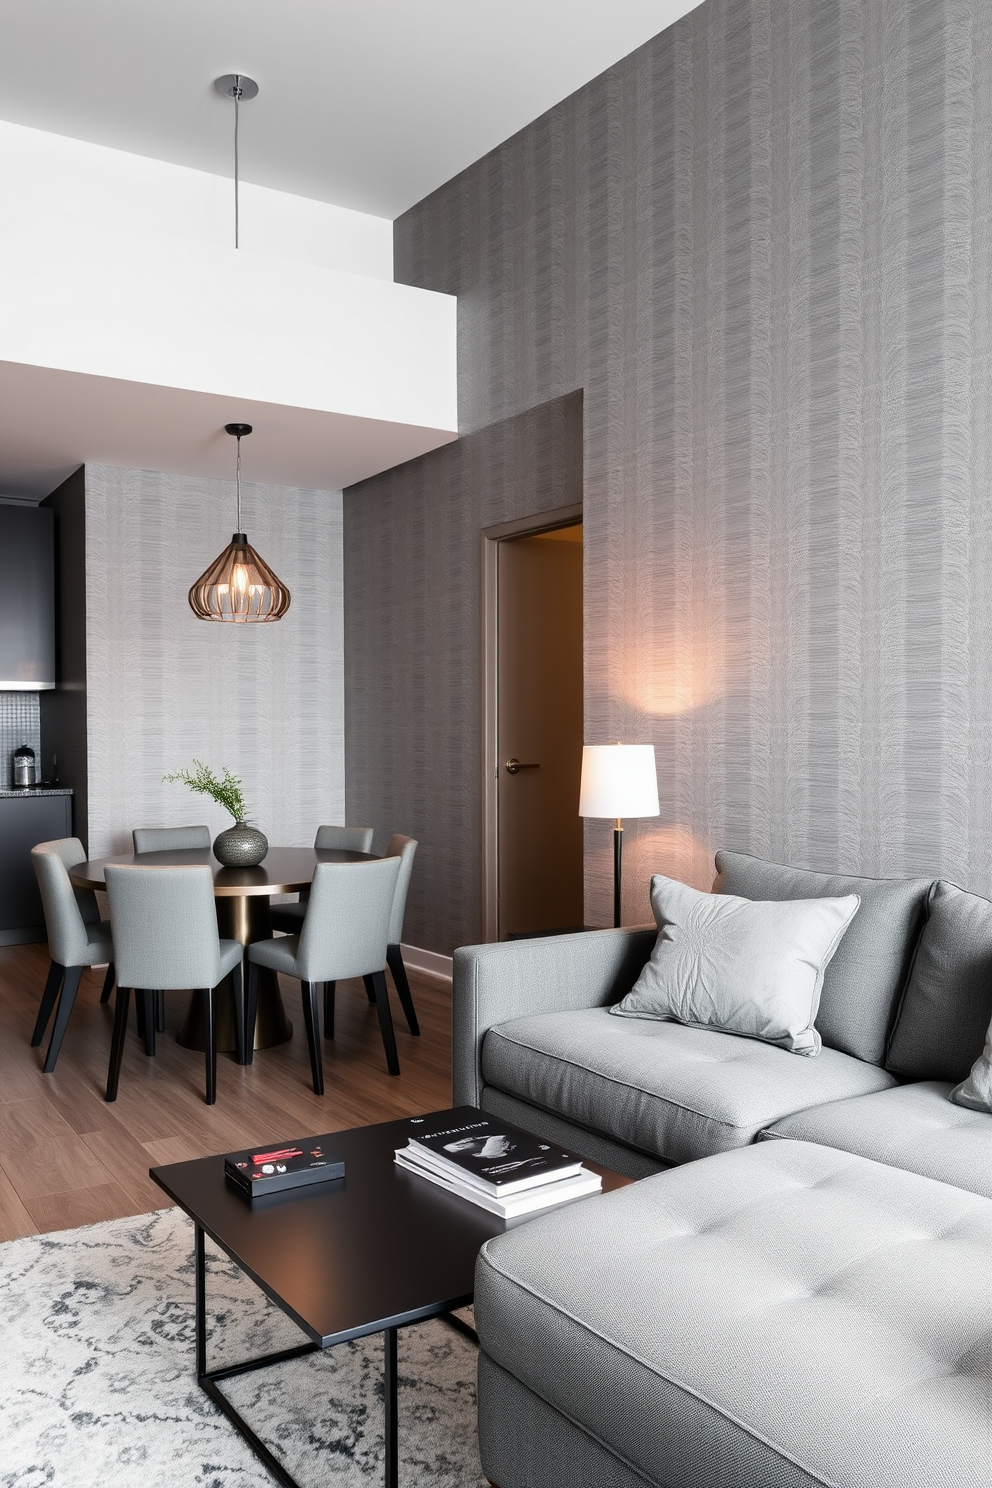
{"x": 239, "y": 587}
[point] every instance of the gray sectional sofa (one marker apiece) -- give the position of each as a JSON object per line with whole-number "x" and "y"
{"x": 800, "y": 1289}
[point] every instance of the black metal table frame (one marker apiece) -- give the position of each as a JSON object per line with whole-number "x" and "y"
{"x": 210, "y": 1379}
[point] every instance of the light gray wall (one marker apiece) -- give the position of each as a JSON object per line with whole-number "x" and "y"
{"x": 163, "y": 687}
{"x": 761, "y": 246}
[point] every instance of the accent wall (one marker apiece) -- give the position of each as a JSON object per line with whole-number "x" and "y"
{"x": 760, "y": 246}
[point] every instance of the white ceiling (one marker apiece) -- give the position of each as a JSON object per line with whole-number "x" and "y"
{"x": 370, "y": 104}
{"x": 53, "y": 421}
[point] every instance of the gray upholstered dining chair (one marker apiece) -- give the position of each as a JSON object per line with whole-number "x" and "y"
{"x": 77, "y": 937}
{"x": 169, "y": 839}
{"x": 166, "y": 839}
{"x": 165, "y": 938}
{"x": 289, "y": 917}
{"x": 404, "y": 849}
{"x": 352, "y": 839}
{"x": 344, "y": 934}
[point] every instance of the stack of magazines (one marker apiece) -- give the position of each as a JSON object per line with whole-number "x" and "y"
{"x": 494, "y": 1164}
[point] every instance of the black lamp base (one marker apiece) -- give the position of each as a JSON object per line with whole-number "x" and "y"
{"x": 617, "y": 856}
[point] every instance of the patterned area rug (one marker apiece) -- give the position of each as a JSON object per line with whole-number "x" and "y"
{"x": 98, "y": 1388}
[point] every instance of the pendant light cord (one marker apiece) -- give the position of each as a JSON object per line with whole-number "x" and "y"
{"x": 239, "y": 483}
{"x": 237, "y": 100}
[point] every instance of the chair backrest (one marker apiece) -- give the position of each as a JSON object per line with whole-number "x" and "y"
{"x": 164, "y": 926}
{"x": 404, "y": 849}
{"x": 68, "y": 911}
{"x": 355, "y": 839}
{"x": 347, "y": 920}
{"x": 169, "y": 839}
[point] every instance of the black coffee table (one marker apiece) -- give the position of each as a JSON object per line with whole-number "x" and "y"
{"x": 371, "y": 1253}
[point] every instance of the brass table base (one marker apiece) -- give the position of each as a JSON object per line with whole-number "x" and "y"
{"x": 244, "y": 917}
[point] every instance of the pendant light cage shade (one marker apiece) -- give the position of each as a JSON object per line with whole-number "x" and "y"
{"x": 239, "y": 587}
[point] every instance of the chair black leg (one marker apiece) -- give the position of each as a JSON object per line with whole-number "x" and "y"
{"x": 237, "y": 978}
{"x": 369, "y": 989}
{"x": 70, "y": 986}
{"x": 394, "y": 960}
{"x": 329, "y": 988}
{"x": 385, "y": 1021}
{"x": 52, "y": 985}
{"x": 309, "y": 990}
{"x": 146, "y": 1001}
{"x": 211, "y": 1054}
{"x": 160, "y": 1012}
{"x": 139, "y": 1013}
{"x": 251, "y": 1007}
{"x": 117, "y": 1042}
{"x": 108, "y": 984}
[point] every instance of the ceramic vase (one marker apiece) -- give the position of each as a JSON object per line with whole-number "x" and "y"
{"x": 241, "y": 846}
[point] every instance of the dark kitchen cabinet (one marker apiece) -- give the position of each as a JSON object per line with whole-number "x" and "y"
{"x": 26, "y": 820}
{"x": 27, "y": 599}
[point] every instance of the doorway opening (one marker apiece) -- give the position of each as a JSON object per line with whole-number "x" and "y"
{"x": 533, "y": 724}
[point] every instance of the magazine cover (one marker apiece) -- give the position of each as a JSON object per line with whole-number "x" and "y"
{"x": 491, "y": 1152}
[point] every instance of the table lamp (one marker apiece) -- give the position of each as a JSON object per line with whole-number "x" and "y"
{"x": 618, "y": 780}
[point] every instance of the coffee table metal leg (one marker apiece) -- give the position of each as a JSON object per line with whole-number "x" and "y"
{"x": 207, "y": 1379}
{"x": 201, "y": 1306}
{"x": 391, "y": 1423}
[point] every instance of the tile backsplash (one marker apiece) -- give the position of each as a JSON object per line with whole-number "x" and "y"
{"x": 20, "y": 723}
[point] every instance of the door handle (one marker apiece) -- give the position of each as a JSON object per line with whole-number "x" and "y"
{"x": 513, "y": 765}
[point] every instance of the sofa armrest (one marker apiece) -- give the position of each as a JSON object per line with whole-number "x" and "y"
{"x": 549, "y": 974}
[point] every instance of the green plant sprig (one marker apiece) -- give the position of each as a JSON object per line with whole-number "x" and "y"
{"x": 225, "y": 789}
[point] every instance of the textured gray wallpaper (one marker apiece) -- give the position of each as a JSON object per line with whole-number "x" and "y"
{"x": 762, "y": 247}
{"x": 413, "y": 643}
{"x": 163, "y": 687}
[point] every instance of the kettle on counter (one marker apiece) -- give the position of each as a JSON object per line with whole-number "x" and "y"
{"x": 25, "y": 768}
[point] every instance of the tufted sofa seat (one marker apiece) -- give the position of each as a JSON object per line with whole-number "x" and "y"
{"x": 677, "y": 1093}
{"x": 789, "y": 1315}
{"x": 916, "y": 1127}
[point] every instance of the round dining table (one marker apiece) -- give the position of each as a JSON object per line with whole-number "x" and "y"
{"x": 243, "y": 913}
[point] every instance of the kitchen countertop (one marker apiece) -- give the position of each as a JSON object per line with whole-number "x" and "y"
{"x": 35, "y": 790}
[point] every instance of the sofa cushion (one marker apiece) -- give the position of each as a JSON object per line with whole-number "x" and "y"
{"x": 911, "y": 1126}
{"x": 835, "y": 1310}
{"x": 746, "y": 967}
{"x": 675, "y": 1092}
{"x": 947, "y": 1004}
{"x": 868, "y": 971}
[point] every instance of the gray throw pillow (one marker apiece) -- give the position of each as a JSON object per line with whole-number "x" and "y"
{"x": 976, "y": 1091}
{"x": 753, "y": 967}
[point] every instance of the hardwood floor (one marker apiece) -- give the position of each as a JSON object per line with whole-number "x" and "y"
{"x": 68, "y": 1158}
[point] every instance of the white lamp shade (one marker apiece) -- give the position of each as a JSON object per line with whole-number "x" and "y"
{"x": 618, "y": 780}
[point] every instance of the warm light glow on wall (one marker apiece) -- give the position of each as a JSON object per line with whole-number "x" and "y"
{"x": 666, "y": 676}
{"x": 674, "y": 851}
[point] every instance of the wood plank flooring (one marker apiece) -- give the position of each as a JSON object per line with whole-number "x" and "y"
{"x": 68, "y": 1158}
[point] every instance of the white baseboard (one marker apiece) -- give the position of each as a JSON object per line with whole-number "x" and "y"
{"x": 428, "y": 963}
